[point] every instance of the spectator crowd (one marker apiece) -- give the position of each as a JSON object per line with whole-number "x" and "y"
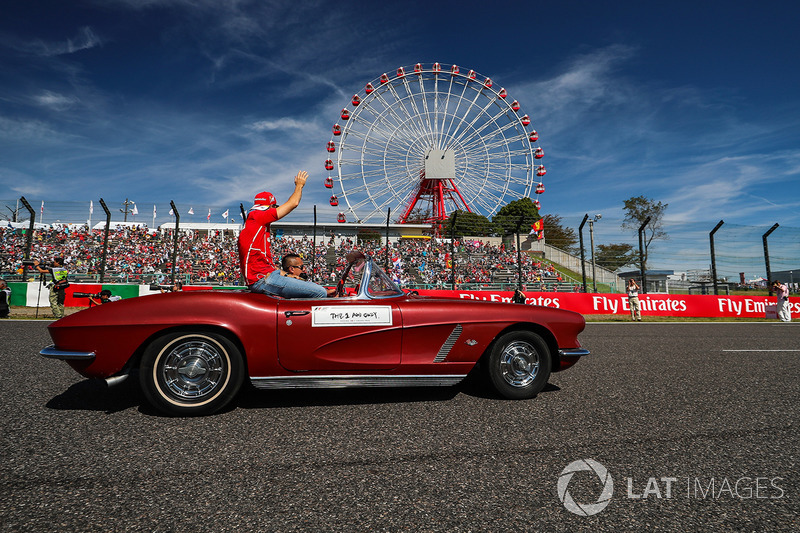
{"x": 138, "y": 255}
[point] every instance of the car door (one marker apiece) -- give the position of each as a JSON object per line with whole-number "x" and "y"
{"x": 339, "y": 334}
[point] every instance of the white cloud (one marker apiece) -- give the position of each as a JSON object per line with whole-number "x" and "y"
{"x": 282, "y": 124}
{"x": 25, "y": 130}
{"x": 55, "y": 101}
{"x": 85, "y": 40}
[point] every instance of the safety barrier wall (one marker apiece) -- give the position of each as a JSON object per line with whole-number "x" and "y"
{"x": 694, "y": 305}
{"x": 37, "y": 294}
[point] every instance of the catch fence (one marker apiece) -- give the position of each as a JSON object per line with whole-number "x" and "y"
{"x": 468, "y": 254}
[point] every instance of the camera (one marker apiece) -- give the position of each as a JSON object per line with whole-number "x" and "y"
{"x": 303, "y": 275}
{"x": 85, "y": 295}
{"x": 168, "y": 288}
{"x": 28, "y": 263}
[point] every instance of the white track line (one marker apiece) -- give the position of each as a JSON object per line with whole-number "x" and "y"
{"x": 761, "y": 350}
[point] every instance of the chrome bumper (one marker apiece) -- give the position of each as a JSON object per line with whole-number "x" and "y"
{"x": 65, "y": 355}
{"x": 574, "y": 352}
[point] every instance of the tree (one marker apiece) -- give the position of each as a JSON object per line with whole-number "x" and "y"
{"x": 418, "y": 215}
{"x": 368, "y": 235}
{"x": 558, "y": 236}
{"x": 614, "y": 256}
{"x": 637, "y": 209}
{"x": 519, "y": 213}
{"x": 471, "y": 224}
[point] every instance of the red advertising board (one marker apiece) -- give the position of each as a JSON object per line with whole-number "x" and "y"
{"x": 693, "y": 305}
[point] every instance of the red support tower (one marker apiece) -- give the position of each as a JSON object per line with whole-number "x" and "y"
{"x": 437, "y": 187}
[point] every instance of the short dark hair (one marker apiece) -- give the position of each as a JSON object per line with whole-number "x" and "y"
{"x": 105, "y": 292}
{"x": 285, "y": 261}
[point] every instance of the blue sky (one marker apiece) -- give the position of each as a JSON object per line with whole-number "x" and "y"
{"x": 207, "y": 102}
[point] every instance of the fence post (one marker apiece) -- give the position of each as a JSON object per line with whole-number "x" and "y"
{"x": 452, "y": 251}
{"x": 583, "y": 257}
{"x": 388, "y": 217}
{"x": 105, "y": 240}
{"x": 519, "y": 254}
{"x": 766, "y": 256}
{"x": 314, "y": 243}
{"x": 642, "y": 265}
{"x": 242, "y": 281}
{"x": 175, "y": 239}
{"x": 714, "y": 256}
{"x": 29, "y": 238}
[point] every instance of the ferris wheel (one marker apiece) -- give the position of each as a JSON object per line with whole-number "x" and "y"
{"x": 428, "y": 141}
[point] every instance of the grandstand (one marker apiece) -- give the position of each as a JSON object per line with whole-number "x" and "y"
{"x": 207, "y": 253}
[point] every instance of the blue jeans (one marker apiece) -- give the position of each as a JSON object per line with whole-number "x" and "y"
{"x": 287, "y": 287}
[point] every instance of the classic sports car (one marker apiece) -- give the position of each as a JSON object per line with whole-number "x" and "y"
{"x": 193, "y": 349}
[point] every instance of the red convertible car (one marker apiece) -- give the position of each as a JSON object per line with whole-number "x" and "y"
{"x": 193, "y": 350}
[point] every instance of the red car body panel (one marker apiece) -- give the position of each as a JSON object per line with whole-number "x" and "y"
{"x": 336, "y": 348}
{"x": 378, "y": 332}
{"x": 115, "y": 332}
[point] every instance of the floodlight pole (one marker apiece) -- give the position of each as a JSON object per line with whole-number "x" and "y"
{"x": 591, "y": 239}
{"x": 766, "y": 256}
{"x": 583, "y": 257}
{"x": 126, "y": 203}
{"x": 713, "y": 256}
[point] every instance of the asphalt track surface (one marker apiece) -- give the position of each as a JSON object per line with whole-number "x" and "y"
{"x": 652, "y": 401}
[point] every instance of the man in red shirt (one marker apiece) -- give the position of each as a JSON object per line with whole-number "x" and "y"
{"x": 255, "y": 254}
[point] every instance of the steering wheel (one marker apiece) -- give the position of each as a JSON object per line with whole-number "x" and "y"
{"x": 339, "y": 288}
{"x": 352, "y": 258}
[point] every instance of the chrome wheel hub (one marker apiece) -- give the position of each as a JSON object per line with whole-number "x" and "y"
{"x": 193, "y": 369}
{"x": 519, "y": 364}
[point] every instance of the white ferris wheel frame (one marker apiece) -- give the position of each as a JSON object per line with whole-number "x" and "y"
{"x": 380, "y": 149}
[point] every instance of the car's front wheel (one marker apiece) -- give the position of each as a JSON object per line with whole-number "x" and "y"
{"x": 519, "y": 365}
{"x": 191, "y": 374}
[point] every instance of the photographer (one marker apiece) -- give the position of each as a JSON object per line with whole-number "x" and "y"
{"x": 103, "y": 297}
{"x": 5, "y": 298}
{"x": 171, "y": 288}
{"x": 58, "y": 286}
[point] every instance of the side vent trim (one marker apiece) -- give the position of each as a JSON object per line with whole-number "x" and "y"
{"x": 448, "y": 344}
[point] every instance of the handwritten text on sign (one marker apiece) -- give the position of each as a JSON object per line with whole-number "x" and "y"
{"x": 351, "y": 315}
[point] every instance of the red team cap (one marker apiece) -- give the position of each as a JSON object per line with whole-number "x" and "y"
{"x": 265, "y": 198}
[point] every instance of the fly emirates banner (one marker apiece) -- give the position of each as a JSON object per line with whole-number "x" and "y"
{"x": 694, "y": 305}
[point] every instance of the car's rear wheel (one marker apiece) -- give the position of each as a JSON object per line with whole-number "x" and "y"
{"x": 519, "y": 365}
{"x": 191, "y": 374}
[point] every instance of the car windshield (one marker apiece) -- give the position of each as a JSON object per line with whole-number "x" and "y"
{"x": 378, "y": 283}
{"x": 381, "y": 285}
